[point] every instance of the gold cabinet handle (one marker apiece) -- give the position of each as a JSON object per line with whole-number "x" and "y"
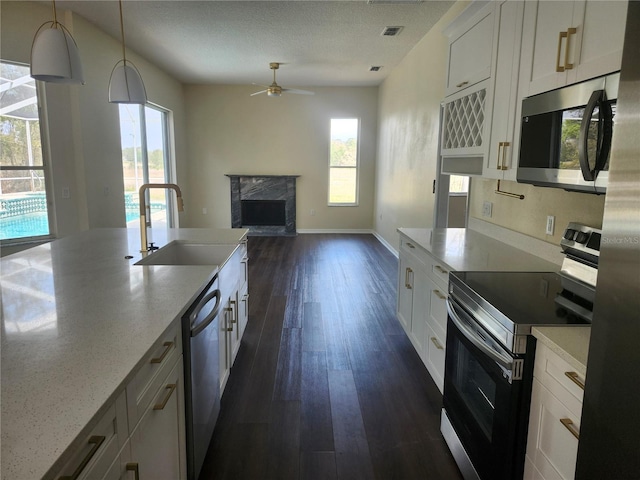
{"x": 95, "y": 441}
{"x": 160, "y": 406}
{"x": 569, "y": 425}
{"x": 498, "y": 157}
{"x": 438, "y": 345}
{"x": 233, "y": 310}
{"x": 462, "y": 84}
{"x": 407, "y": 272}
{"x": 503, "y": 164}
{"x": 560, "y": 68}
{"x": 440, "y": 295}
{"x": 440, "y": 269}
{"x": 567, "y": 65}
{"x": 410, "y": 245}
{"x": 168, "y": 346}
{"x": 133, "y": 467}
{"x": 573, "y": 376}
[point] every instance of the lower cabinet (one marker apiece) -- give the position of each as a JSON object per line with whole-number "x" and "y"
{"x": 554, "y": 422}
{"x": 421, "y": 305}
{"x": 142, "y": 434}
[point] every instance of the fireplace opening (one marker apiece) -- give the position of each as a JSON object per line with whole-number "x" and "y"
{"x": 263, "y": 213}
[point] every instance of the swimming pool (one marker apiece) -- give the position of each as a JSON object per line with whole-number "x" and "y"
{"x": 27, "y": 225}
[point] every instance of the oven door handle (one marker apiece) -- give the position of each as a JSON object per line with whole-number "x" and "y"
{"x": 470, "y": 335}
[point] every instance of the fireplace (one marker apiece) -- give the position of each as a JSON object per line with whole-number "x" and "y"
{"x": 265, "y": 204}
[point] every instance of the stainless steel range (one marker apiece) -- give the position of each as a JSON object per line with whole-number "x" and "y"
{"x": 490, "y": 352}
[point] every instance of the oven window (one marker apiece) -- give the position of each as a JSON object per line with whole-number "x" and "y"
{"x": 475, "y": 387}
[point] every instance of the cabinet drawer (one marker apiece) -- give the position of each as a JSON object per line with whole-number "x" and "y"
{"x": 434, "y": 353}
{"x": 438, "y": 308}
{"x": 553, "y": 429}
{"x": 559, "y": 377}
{"x": 99, "y": 449}
{"x": 439, "y": 273}
{"x": 413, "y": 251}
{"x": 156, "y": 366}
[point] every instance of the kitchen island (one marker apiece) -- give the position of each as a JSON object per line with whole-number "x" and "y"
{"x": 78, "y": 319}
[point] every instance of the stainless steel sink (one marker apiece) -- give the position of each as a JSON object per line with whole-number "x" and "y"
{"x": 181, "y": 252}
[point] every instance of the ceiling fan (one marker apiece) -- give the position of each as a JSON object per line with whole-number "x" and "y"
{"x": 275, "y": 90}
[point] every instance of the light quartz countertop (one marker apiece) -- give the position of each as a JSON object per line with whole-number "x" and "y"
{"x": 77, "y": 319}
{"x": 462, "y": 249}
{"x": 570, "y": 343}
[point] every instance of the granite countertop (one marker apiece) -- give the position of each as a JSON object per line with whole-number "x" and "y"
{"x": 77, "y": 319}
{"x": 570, "y": 343}
{"x": 462, "y": 249}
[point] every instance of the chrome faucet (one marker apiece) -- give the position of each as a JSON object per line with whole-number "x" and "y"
{"x": 144, "y": 222}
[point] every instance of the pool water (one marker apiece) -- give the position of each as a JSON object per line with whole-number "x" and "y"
{"x": 28, "y": 225}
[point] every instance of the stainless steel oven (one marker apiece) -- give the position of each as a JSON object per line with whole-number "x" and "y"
{"x": 490, "y": 355}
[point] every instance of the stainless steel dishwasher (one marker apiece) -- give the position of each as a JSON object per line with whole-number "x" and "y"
{"x": 202, "y": 386}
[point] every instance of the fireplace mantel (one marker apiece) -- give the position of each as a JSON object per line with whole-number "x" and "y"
{"x": 264, "y": 187}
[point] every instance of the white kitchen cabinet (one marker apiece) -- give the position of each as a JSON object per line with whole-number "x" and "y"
{"x": 502, "y": 159}
{"x": 421, "y": 307}
{"x": 157, "y": 442}
{"x": 565, "y": 42}
{"x": 554, "y": 421}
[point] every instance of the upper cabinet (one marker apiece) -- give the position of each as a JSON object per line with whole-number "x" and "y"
{"x": 569, "y": 41}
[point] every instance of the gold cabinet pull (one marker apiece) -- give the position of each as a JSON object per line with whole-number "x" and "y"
{"x": 407, "y": 272}
{"x": 573, "y": 376}
{"x": 160, "y": 406}
{"x": 440, "y": 295}
{"x": 560, "y": 68}
{"x": 440, "y": 269}
{"x": 233, "y": 310}
{"x": 168, "y": 346}
{"x": 95, "y": 441}
{"x": 503, "y": 163}
{"x": 567, "y": 65}
{"x": 462, "y": 84}
{"x": 438, "y": 345}
{"x": 569, "y": 425}
{"x": 498, "y": 157}
{"x": 410, "y": 245}
{"x": 133, "y": 467}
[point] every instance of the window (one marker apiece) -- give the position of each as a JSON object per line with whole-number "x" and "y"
{"x": 145, "y": 159}
{"x": 24, "y": 209}
{"x": 343, "y": 162}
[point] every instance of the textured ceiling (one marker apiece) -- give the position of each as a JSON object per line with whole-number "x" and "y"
{"x": 320, "y": 43}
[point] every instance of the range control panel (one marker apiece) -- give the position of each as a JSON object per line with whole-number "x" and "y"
{"x": 582, "y": 241}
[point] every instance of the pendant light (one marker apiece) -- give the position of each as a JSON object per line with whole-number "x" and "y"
{"x": 54, "y": 54}
{"x": 125, "y": 84}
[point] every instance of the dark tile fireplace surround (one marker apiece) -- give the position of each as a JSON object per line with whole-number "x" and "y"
{"x": 265, "y": 204}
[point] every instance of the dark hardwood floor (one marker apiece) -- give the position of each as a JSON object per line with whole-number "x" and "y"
{"x": 326, "y": 384}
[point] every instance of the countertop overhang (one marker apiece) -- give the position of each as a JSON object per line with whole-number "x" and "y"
{"x": 78, "y": 317}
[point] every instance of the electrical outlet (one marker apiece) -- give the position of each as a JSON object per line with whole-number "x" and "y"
{"x": 551, "y": 221}
{"x": 66, "y": 193}
{"x": 313, "y": 212}
{"x": 487, "y": 209}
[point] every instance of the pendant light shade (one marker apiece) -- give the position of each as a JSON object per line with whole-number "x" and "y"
{"x": 54, "y": 54}
{"x": 125, "y": 84}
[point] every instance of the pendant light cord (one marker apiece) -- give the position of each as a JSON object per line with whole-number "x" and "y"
{"x": 124, "y": 57}
{"x": 55, "y": 16}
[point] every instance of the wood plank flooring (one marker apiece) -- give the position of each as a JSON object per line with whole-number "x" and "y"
{"x": 326, "y": 384}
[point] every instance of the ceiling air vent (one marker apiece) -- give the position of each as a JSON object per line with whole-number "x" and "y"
{"x": 375, "y": 68}
{"x": 391, "y": 31}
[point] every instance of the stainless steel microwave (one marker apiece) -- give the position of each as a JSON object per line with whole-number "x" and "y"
{"x": 566, "y": 136}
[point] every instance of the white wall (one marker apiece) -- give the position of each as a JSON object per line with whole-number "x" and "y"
{"x": 230, "y": 132}
{"x": 409, "y": 110}
{"x": 85, "y": 152}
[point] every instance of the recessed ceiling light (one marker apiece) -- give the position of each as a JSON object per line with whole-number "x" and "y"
{"x": 391, "y": 31}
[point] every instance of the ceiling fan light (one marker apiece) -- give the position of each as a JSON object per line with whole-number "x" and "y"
{"x": 125, "y": 84}
{"x": 55, "y": 57}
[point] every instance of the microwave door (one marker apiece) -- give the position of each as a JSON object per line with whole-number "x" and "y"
{"x": 596, "y": 130}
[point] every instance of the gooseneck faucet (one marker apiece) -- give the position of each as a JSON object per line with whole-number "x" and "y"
{"x": 144, "y": 223}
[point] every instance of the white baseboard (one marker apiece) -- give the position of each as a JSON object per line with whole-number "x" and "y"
{"x": 338, "y": 231}
{"x": 386, "y": 244}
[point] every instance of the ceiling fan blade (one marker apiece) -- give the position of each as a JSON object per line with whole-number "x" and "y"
{"x": 257, "y": 93}
{"x": 300, "y": 92}
{"x": 260, "y": 85}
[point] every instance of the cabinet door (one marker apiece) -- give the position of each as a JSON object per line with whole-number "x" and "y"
{"x": 420, "y": 308}
{"x": 546, "y": 44}
{"x": 434, "y": 354}
{"x": 405, "y": 292}
{"x": 157, "y": 443}
{"x": 470, "y": 53}
{"x": 226, "y": 326}
{"x": 503, "y": 152}
{"x": 552, "y": 444}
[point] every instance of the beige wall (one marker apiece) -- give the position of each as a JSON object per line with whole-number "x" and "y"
{"x": 529, "y": 216}
{"x": 409, "y": 115}
{"x": 230, "y": 132}
{"x": 85, "y": 153}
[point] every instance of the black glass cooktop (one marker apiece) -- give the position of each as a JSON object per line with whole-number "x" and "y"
{"x": 524, "y": 298}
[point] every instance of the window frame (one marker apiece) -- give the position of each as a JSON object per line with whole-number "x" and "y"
{"x": 45, "y": 168}
{"x": 356, "y": 202}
